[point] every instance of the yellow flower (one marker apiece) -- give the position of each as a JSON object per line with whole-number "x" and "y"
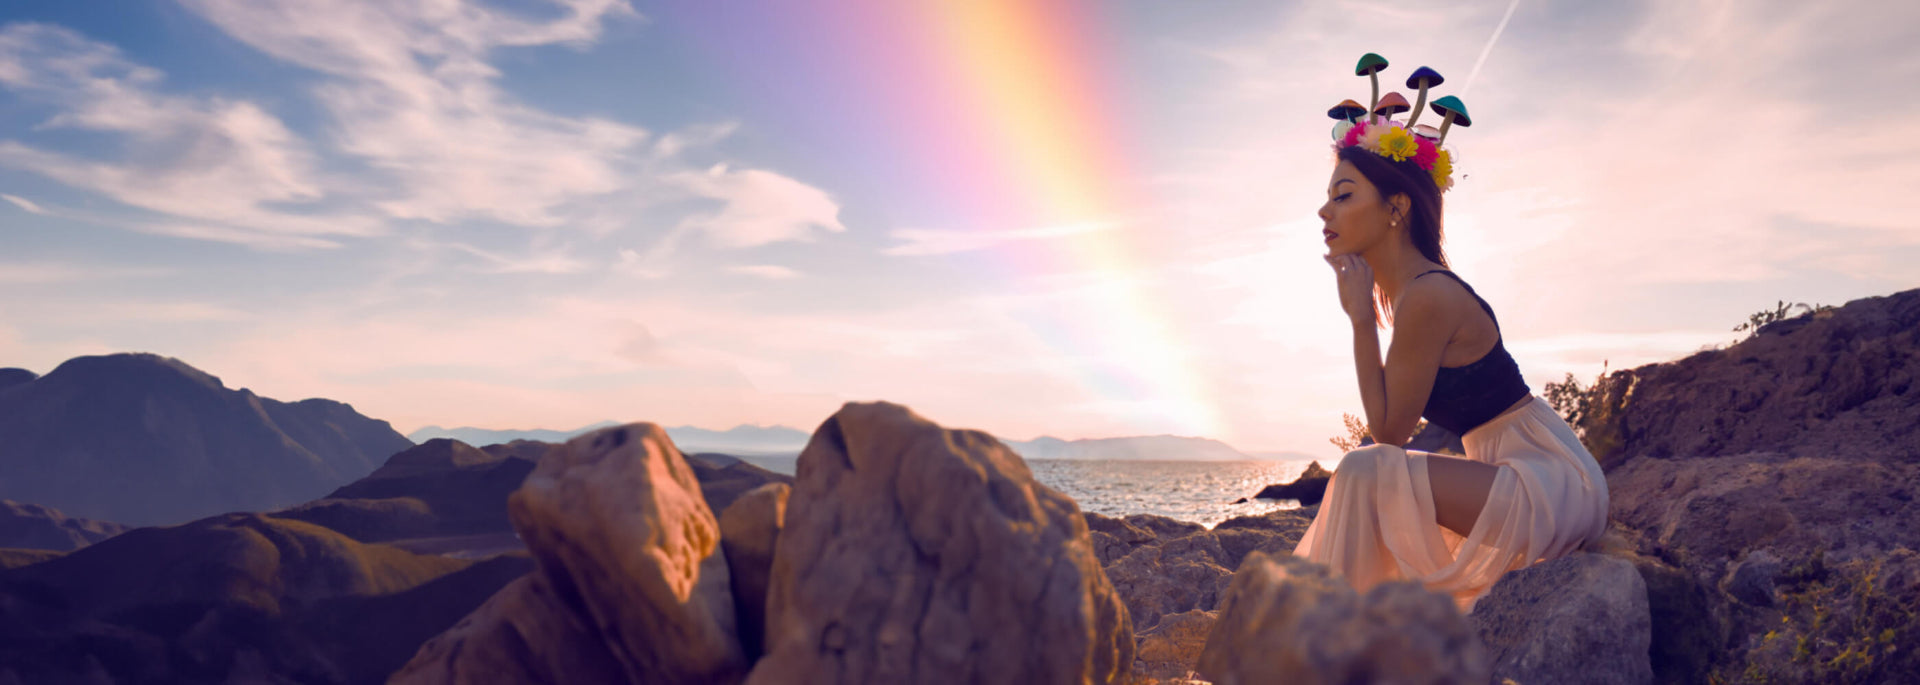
{"x": 1443, "y": 170}
{"x": 1396, "y": 143}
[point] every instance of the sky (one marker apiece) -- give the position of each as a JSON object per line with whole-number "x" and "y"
{"x": 1068, "y": 218}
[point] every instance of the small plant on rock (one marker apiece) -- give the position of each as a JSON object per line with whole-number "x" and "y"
{"x": 1781, "y": 311}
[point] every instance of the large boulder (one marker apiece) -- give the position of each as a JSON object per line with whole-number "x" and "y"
{"x": 749, "y": 532}
{"x": 1285, "y": 619}
{"x": 1582, "y": 618}
{"x": 632, "y": 583}
{"x": 913, "y": 553}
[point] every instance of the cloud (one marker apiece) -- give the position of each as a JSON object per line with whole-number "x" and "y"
{"x": 761, "y": 207}
{"x": 413, "y": 95}
{"x": 21, "y": 274}
{"x": 767, "y": 271}
{"x": 923, "y": 242}
{"x": 547, "y": 262}
{"x": 24, "y": 204}
{"x": 207, "y": 159}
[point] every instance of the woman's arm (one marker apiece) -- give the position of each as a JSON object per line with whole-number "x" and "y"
{"x": 1421, "y": 329}
{"x": 1394, "y": 394}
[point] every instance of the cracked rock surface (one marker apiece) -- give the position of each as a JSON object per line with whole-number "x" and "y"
{"x": 914, "y": 553}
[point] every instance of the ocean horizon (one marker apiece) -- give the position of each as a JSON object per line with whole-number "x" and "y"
{"x": 1202, "y": 492}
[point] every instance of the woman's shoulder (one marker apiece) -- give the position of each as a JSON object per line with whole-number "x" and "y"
{"x": 1440, "y": 284}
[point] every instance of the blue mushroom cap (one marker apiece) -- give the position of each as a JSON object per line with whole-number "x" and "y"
{"x": 1432, "y": 77}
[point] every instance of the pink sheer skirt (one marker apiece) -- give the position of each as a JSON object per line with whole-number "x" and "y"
{"x": 1377, "y": 522}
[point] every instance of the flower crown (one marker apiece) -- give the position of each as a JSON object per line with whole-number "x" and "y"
{"x": 1374, "y": 130}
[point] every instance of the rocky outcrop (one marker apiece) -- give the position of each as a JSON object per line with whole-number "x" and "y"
{"x": 1768, "y": 487}
{"x": 1308, "y": 489}
{"x": 1187, "y": 567}
{"x": 1754, "y": 540}
{"x": 1582, "y": 618}
{"x": 1284, "y": 619}
{"x": 140, "y": 439}
{"x": 1834, "y": 385}
{"x": 749, "y": 531}
{"x": 913, "y": 553}
{"x": 31, "y": 526}
{"x": 632, "y": 583}
{"x": 1170, "y": 649}
{"x": 240, "y": 597}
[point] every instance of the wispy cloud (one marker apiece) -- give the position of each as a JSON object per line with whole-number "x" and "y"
{"x": 924, "y": 242}
{"x": 18, "y": 274}
{"x": 767, "y": 271}
{"x": 206, "y": 159}
{"x": 24, "y": 204}
{"x": 541, "y": 262}
{"x": 413, "y": 95}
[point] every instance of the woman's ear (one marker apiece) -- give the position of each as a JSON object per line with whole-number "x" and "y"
{"x": 1402, "y": 205}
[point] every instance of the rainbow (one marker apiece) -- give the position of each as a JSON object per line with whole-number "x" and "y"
{"x": 992, "y": 115}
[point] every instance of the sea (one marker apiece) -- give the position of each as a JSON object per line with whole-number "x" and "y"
{"x": 1202, "y": 492}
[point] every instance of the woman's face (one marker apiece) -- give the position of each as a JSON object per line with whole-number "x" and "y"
{"x": 1356, "y": 217}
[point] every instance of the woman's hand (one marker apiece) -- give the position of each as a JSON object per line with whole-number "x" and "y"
{"x": 1356, "y": 285}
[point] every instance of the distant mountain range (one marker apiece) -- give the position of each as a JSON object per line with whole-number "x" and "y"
{"x": 142, "y": 439}
{"x": 785, "y": 441}
{"x": 744, "y": 440}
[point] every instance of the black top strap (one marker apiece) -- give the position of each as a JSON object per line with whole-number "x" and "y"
{"x": 1476, "y": 296}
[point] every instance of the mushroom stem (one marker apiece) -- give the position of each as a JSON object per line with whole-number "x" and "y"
{"x": 1419, "y": 105}
{"x": 1444, "y": 125}
{"x": 1375, "y": 102}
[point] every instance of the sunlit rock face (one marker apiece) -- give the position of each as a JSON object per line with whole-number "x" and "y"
{"x": 1285, "y": 619}
{"x": 632, "y": 583}
{"x": 913, "y": 553}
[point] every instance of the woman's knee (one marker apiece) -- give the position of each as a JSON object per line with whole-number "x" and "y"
{"x": 1360, "y": 464}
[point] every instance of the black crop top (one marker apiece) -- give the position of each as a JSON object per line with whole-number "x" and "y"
{"x": 1464, "y": 397}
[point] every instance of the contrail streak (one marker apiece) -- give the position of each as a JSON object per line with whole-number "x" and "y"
{"x": 1497, "y": 30}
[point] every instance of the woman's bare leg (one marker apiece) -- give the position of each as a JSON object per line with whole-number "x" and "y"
{"x": 1460, "y": 488}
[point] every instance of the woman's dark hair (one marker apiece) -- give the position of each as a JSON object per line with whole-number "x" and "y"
{"x": 1423, "y": 216}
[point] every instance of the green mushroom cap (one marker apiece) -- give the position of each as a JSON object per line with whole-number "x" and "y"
{"x": 1452, "y": 104}
{"x": 1369, "y": 63}
{"x": 1432, "y": 78}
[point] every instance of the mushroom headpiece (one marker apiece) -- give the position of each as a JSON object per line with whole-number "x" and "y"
{"x": 1374, "y": 129}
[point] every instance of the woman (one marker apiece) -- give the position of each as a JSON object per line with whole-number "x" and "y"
{"x": 1527, "y": 490}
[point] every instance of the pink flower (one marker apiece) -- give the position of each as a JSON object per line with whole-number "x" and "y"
{"x": 1353, "y": 135}
{"x": 1428, "y": 153}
